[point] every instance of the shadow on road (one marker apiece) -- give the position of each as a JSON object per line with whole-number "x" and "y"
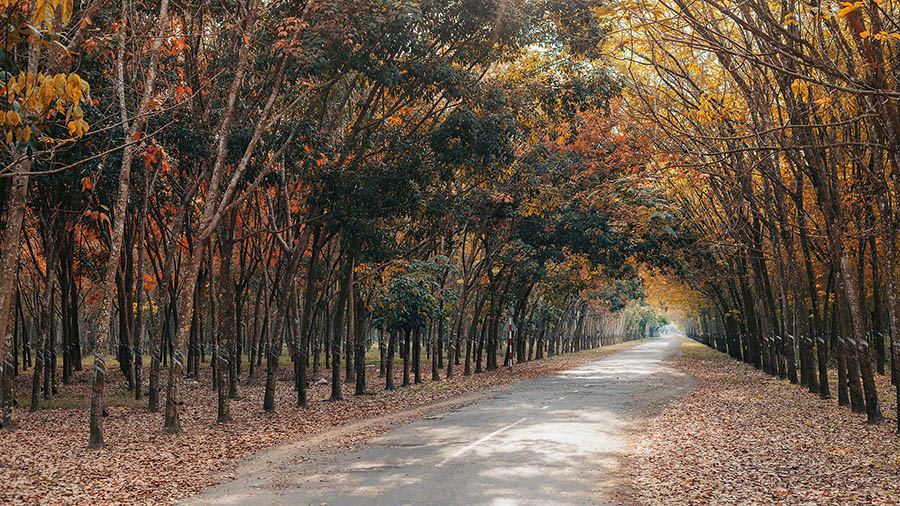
{"x": 545, "y": 441}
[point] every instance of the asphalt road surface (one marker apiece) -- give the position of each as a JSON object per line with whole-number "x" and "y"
{"x": 554, "y": 440}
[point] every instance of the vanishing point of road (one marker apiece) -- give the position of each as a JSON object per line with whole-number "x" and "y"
{"x": 553, "y": 440}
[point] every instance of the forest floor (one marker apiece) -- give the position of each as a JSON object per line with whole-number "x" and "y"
{"x": 743, "y": 437}
{"x": 46, "y": 460}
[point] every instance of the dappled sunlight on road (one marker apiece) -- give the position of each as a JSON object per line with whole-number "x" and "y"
{"x": 546, "y": 441}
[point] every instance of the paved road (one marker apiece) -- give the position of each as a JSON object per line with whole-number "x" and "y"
{"x": 547, "y": 441}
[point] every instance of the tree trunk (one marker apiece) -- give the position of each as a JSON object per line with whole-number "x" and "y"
{"x": 389, "y": 363}
{"x": 405, "y": 351}
{"x": 120, "y": 211}
{"x": 225, "y": 321}
{"x": 360, "y": 343}
{"x": 417, "y": 355}
{"x": 273, "y": 348}
{"x": 8, "y": 265}
{"x": 337, "y": 333}
{"x": 307, "y": 327}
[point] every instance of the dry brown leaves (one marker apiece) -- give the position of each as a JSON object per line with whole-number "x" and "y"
{"x": 47, "y": 461}
{"x": 743, "y": 437}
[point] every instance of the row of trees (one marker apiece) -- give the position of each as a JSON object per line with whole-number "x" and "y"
{"x": 778, "y": 131}
{"x": 245, "y": 177}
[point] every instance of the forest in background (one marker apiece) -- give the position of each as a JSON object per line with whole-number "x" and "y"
{"x": 222, "y": 191}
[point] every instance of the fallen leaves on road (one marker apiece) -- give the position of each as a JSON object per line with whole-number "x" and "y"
{"x": 46, "y": 460}
{"x": 743, "y": 437}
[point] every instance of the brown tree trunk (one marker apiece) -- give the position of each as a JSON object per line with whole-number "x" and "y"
{"x": 346, "y": 279}
{"x": 120, "y": 211}
{"x": 389, "y": 363}
{"x": 360, "y": 341}
{"x": 9, "y": 255}
{"x": 140, "y": 322}
{"x": 273, "y": 349}
{"x": 225, "y": 321}
{"x": 307, "y": 326}
{"x": 349, "y": 341}
{"x": 417, "y": 355}
{"x": 405, "y": 351}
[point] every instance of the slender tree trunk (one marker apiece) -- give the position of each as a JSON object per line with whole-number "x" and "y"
{"x": 118, "y": 231}
{"x": 437, "y": 338}
{"x": 417, "y": 355}
{"x": 50, "y": 346}
{"x": 139, "y": 323}
{"x": 8, "y": 265}
{"x": 389, "y": 363}
{"x": 225, "y": 321}
{"x": 482, "y": 337}
{"x": 273, "y": 347}
{"x": 405, "y": 351}
{"x": 162, "y": 326}
{"x": 337, "y": 333}
{"x": 307, "y": 327}
{"x": 360, "y": 342}
{"x": 382, "y": 351}
{"x": 470, "y": 335}
{"x": 349, "y": 342}
{"x": 877, "y": 327}
{"x": 45, "y": 331}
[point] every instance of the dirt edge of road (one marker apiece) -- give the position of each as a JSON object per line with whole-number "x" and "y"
{"x": 616, "y": 486}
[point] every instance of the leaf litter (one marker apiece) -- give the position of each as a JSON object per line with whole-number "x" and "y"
{"x": 743, "y": 437}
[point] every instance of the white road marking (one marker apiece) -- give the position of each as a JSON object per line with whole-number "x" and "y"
{"x": 544, "y": 407}
{"x": 482, "y": 440}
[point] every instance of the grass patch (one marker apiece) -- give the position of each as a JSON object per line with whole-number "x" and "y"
{"x": 699, "y": 351}
{"x": 73, "y": 397}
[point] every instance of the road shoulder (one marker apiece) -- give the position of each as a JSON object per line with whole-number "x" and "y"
{"x": 617, "y": 487}
{"x": 743, "y": 437}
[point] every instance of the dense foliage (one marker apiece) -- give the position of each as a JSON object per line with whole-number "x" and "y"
{"x": 224, "y": 180}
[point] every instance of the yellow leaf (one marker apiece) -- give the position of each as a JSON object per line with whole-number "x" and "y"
{"x": 39, "y": 12}
{"x": 848, "y": 8}
{"x": 12, "y": 118}
{"x": 66, "y": 11}
{"x": 74, "y": 88}
{"x": 59, "y": 82}
{"x": 795, "y": 87}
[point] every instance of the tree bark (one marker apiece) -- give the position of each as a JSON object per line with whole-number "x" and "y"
{"x": 338, "y": 322}
{"x": 9, "y": 255}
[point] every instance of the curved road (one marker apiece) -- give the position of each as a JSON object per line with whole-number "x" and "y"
{"x": 554, "y": 440}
